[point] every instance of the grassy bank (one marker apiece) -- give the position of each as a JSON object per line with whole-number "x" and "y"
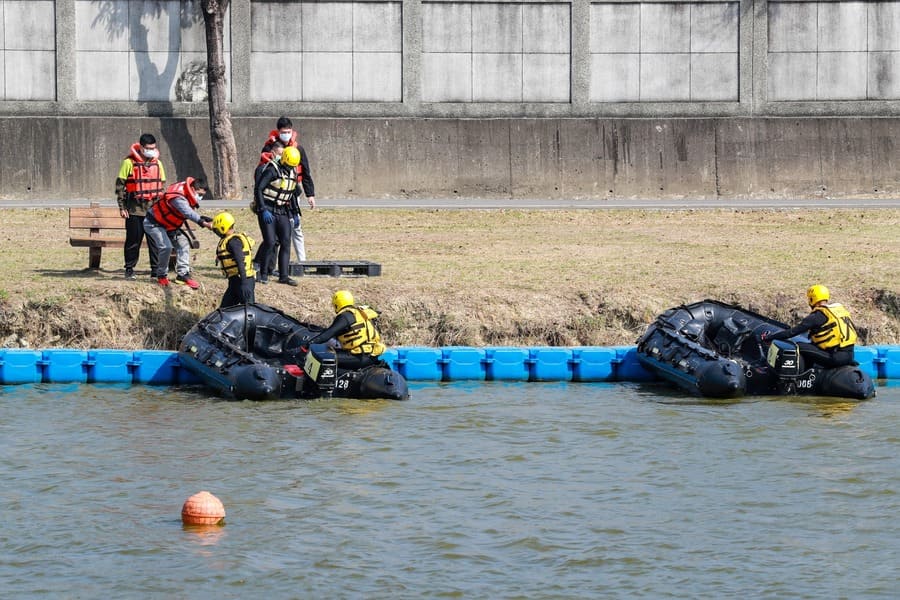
{"x": 568, "y": 277}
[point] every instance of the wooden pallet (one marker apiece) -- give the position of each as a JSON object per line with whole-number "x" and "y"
{"x": 336, "y": 268}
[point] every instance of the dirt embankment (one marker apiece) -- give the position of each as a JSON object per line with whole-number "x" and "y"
{"x": 476, "y": 277}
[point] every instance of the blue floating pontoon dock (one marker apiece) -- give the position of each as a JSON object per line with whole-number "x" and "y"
{"x": 449, "y": 363}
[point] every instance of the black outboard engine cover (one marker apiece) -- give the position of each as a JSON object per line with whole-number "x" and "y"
{"x": 321, "y": 368}
{"x": 785, "y": 359}
{"x": 256, "y": 382}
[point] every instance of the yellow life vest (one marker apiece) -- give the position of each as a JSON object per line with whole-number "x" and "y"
{"x": 228, "y": 262}
{"x": 837, "y": 332}
{"x": 363, "y": 336}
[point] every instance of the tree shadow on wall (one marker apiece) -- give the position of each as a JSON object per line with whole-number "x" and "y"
{"x": 155, "y": 83}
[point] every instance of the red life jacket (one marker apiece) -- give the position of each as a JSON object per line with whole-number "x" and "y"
{"x": 144, "y": 183}
{"x": 165, "y": 213}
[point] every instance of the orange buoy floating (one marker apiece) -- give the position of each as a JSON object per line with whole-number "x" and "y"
{"x": 202, "y": 509}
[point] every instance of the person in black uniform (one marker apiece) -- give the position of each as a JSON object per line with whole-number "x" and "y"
{"x": 831, "y": 331}
{"x": 275, "y": 195}
{"x": 233, "y": 255}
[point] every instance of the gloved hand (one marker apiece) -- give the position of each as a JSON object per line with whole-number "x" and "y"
{"x": 267, "y": 217}
{"x": 204, "y": 219}
{"x": 296, "y": 221}
{"x": 764, "y": 336}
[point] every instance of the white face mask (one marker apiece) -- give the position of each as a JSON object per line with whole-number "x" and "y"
{"x": 150, "y": 153}
{"x": 199, "y": 197}
{"x": 285, "y": 136}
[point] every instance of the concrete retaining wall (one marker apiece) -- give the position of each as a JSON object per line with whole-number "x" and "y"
{"x": 47, "y": 158}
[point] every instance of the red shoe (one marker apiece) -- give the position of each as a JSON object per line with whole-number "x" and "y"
{"x": 187, "y": 281}
{"x": 163, "y": 281}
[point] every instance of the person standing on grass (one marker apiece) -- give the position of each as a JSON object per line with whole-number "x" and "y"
{"x": 275, "y": 195}
{"x": 163, "y": 223}
{"x": 285, "y": 134}
{"x": 140, "y": 183}
{"x": 233, "y": 255}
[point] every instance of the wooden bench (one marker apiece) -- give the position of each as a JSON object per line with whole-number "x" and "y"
{"x": 105, "y": 229}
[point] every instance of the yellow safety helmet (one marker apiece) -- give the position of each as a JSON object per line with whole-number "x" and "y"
{"x": 817, "y": 293}
{"x": 290, "y": 157}
{"x": 222, "y": 222}
{"x": 341, "y": 299}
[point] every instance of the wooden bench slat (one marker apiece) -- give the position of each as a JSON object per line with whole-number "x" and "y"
{"x": 96, "y": 242}
{"x": 116, "y": 222}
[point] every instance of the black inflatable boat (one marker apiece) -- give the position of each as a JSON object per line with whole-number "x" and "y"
{"x": 256, "y": 352}
{"x": 714, "y": 349}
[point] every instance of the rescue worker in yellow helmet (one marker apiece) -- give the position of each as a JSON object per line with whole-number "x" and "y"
{"x": 233, "y": 255}
{"x": 832, "y": 334}
{"x": 354, "y": 329}
{"x": 275, "y": 194}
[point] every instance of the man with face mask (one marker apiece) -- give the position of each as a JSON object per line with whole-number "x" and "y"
{"x": 285, "y": 133}
{"x": 140, "y": 183}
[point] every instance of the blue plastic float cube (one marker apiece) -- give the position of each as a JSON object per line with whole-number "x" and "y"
{"x": 390, "y": 356}
{"x": 65, "y": 366}
{"x": 627, "y": 366}
{"x": 109, "y": 366}
{"x": 462, "y": 363}
{"x": 506, "y": 364}
{"x": 420, "y": 364}
{"x": 550, "y": 364}
{"x": 867, "y": 357}
{"x": 593, "y": 364}
{"x": 890, "y": 362}
{"x": 155, "y": 367}
{"x": 20, "y": 366}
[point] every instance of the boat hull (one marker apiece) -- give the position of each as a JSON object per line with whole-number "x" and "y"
{"x": 256, "y": 352}
{"x": 713, "y": 349}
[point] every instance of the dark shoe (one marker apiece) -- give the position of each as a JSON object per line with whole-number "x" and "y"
{"x": 261, "y": 279}
{"x": 129, "y": 274}
{"x": 288, "y": 281}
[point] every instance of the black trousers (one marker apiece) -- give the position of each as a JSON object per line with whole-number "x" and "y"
{"x": 813, "y": 354}
{"x": 277, "y": 232}
{"x": 239, "y": 292}
{"x": 134, "y": 236}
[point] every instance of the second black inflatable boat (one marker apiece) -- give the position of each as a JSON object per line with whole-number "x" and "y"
{"x": 714, "y": 349}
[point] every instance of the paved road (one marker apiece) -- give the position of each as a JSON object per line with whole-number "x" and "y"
{"x": 477, "y": 203}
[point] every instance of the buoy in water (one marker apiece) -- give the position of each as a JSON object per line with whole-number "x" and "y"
{"x": 202, "y": 509}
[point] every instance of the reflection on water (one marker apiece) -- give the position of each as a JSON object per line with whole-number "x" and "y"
{"x": 496, "y": 490}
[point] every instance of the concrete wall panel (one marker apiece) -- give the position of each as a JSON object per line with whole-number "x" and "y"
{"x": 446, "y": 27}
{"x": 155, "y": 25}
{"x": 30, "y": 75}
{"x": 665, "y": 77}
{"x": 275, "y": 27}
{"x": 714, "y": 27}
{"x": 792, "y": 76}
{"x": 546, "y": 28}
{"x": 615, "y": 78}
{"x": 792, "y": 27}
{"x": 714, "y": 77}
{"x": 842, "y": 26}
{"x": 29, "y": 25}
{"x": 447, "y": 77}
{"x": 884, "y": 75}
{"x": 615, "y": 28}
{"x": 109, "y": 67}
{"x": 376, "y": 77}
{"x": 497, "y": 77}
{"x": 884, "y": 26}
{"x": 267, "y": 77}
{"x": 497, "y": 28}
{"x": 377, "y": 27}
{"x": 546, "y": 78}
{"x": 327, "y": 26}
{"x": 841, "y": 76}
{"x": 328, "y": 76}
{"x": 665, "y": 27}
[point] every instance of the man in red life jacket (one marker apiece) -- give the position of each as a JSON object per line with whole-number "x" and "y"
{"x": 163, "y": 224}
{"x": 141, "y": 182}
{"x": 285, "y": 133}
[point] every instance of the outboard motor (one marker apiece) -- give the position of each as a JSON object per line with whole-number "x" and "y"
{"x": 785, "y": 360}
{"x": 321, "y": 368}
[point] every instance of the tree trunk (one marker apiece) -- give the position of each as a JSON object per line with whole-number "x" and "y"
{"x": 226, "y": 175}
